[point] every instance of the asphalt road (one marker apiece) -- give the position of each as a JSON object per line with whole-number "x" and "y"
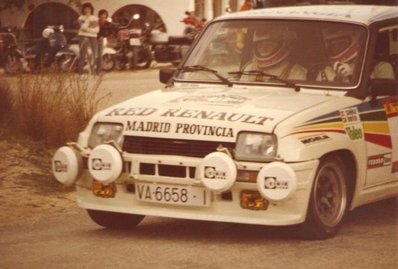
{"x": 368, "y": 239}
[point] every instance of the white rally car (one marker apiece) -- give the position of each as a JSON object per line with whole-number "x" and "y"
{"x": 278, "y": 116}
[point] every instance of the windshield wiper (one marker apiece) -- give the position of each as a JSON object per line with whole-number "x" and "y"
{"x": 264, "y": 74}
{"x": 195, "y": 68}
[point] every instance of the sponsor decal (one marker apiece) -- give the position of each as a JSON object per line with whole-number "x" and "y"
{"x": 211, "y": 172}
{"x": 150, "y": 127}
{"x": 98, "y": 164}
{"x": 192, "y": 114}
{"x": 60, "y": 167}
{"x": 274, "y": 183}
{"x": 379, "y": 160}
{"x": 350, "y": 115}
{"x": 193, "y": 129}
{"x": 354, "y": 132}
{"x": 179, "y": 128}
{"x": 213, "y": 115}
{"x": 391, "y": 107}
{"x": 313, "y": 139}
{"x": 223, "y": 99}
{"x": 134, "y": 111}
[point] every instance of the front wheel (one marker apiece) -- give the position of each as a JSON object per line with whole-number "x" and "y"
{"x": 115, "y": 220}
{"x": 108, "y": 62}
{"x": 13, "y": 64}
{"x": 141, "y": 58}
{"x": 328, "y": 201}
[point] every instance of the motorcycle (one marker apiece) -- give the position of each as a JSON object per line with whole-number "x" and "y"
{"x": 133, "y": 48}
{"x": 10, "y": 55}
{"x": 172, "y": 49}
{"x": 68, "y": 60}
{"x": 48, "y": 51}
{"x": 169, "y": 49}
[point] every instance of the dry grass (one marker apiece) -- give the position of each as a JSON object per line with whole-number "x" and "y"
{"x": 53, "y": 107}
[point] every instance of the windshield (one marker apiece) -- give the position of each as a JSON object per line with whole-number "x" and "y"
{"x": 310, "y": 53}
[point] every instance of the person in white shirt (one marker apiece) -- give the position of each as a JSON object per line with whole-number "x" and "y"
{"x": 89, "y": 28}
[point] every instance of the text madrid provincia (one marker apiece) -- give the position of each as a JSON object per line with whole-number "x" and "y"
{"x": 186, "y": 128}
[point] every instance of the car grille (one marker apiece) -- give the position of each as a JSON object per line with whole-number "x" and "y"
{"x": 164, "y": 146}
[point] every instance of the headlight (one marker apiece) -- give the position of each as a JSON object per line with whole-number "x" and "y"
{"x": 104, "y": 132}
{"x": 255, "y": 147}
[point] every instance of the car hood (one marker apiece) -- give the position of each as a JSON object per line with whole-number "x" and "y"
{"x": 209, "y": 113}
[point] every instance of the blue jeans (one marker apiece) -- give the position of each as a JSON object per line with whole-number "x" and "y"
{"x": 84, "y": 42}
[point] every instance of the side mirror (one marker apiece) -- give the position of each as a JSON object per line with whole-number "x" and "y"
{"x": 165, "y": 74}
{"x": 383, "y": 87}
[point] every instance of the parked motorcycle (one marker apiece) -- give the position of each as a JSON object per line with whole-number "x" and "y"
{"x": 10, "y": 54}
{"x": 69, "y": 59}
{"x": 133, "y": 49}
{"x": 169, "y": 49}
{"x": 48, "y": 50}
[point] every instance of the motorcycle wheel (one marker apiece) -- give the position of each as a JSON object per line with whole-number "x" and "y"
{"x": 141, "y": 58}
{"x": 13, "y": 65}
{"x": 108, "y": 62}
{"x": 120, "y": 64}
{"x": 67, "y": 63}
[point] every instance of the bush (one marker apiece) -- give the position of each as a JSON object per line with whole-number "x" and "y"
{"x": 5, "y": 102}
{"x": 54, "y": 107}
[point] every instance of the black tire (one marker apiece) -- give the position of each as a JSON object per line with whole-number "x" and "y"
{"x": 67, "y": 63}
{"x": 13, "y": 65}
{"x": 108, "y": 62}
{"x": 114, "y": 220}
{"x": 141, "y": 58}
{"x": 328, "y": 201}
{"x": 120, "y": 63}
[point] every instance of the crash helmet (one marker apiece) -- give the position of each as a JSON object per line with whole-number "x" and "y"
{"x": 342, "y": 45}
{"x": 47, "y": 32}
{"x": 272, "y": 45}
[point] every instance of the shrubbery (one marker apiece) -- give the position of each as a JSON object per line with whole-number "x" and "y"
{"x": 53, "y": 107}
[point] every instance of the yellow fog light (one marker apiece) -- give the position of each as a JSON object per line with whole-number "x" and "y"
{"x": 102, "y": 190}
{"x": 253, "y": 200}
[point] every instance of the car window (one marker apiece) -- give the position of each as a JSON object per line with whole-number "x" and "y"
{"x": 386, "y": 54}
{"x": 263, "y": 51}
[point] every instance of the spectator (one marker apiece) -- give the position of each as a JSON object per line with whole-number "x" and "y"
{"x": 87, "y": 34}
{"x": 106, "y": 29}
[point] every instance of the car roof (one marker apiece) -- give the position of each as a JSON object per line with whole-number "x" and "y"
{"x": 363, "y": 14}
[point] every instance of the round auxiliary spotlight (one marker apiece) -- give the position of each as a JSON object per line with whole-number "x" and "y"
{"x": 105, "y": 163}
{"x": 276, "y": 181}
{"x": 66, "y": 165}
{"x": 218, "y": 172}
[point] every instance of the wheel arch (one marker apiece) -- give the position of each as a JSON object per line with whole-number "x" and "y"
{"x": 350, "y": 167}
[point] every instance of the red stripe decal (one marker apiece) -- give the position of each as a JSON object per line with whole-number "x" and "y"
{"x": 379, "y": 139}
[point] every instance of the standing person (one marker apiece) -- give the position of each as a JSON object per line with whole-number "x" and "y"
{"x": 106, "y": 29}
{"x": 87, "y": 34}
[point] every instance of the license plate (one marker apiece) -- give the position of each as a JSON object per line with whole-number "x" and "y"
{"x": 168, "y": 194}
{"x": 135, "y": 42}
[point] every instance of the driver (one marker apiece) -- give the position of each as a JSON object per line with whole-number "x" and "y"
{"x": 342, "y": 46}
{"x": 271, "y": 49}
